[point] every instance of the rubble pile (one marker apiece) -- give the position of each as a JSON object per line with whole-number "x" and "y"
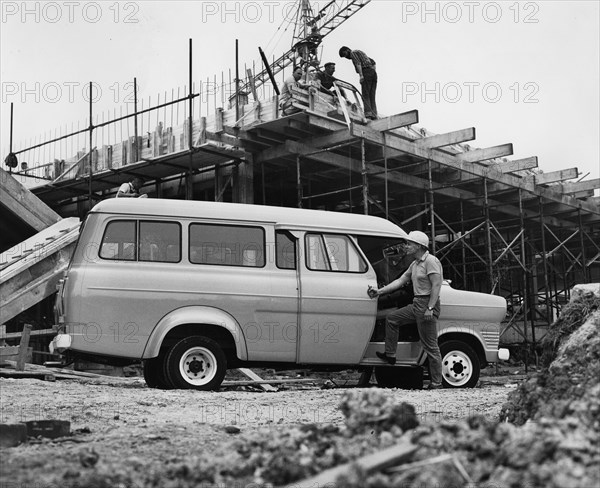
{"x": 568, "y": 383}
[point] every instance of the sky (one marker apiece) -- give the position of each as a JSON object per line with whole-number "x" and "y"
{"x": 525, "y": 73}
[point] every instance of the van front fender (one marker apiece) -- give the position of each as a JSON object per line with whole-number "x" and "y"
{"x": 195, "y": 315}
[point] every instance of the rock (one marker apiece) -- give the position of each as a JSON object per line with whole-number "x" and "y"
{"x": 50, "y": 429}
{"x": 88, "y": 457}
{"x": 12, "y": 435}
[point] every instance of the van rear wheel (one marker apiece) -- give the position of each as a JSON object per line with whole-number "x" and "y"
{"x": 196, "y": 362}
{"x": 155, "y": 374}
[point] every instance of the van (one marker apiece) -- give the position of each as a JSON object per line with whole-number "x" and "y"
{"x": 193, "y": 288}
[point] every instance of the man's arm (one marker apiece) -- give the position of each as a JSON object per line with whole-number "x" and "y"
{"x": 436, "y": 286}
{"x": 391, "y": 287}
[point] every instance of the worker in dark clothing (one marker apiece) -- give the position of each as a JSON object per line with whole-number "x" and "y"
{"x": 366, "y": 69}
{"x": 326, "y": 76}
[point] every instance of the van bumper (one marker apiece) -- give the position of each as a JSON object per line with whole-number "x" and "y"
{"x": 60, "y": 343}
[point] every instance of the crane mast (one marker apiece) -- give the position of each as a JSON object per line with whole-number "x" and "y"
{"x": 309, "y": 31}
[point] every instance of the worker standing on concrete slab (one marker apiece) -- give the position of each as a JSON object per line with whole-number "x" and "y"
{"x": 131, "y": 189}
{"x": 426, "y": 275}
{"x": 366, "y": 69}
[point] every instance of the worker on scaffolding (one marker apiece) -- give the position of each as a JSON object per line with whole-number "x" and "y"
{"x": 366, "y": 69}
{"x": 286, "y": 98}
{"x": 131, "y": 189}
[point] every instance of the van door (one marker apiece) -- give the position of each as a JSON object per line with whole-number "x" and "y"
{"x": 337, "y": 316}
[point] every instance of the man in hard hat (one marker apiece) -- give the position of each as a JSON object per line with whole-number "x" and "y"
{"x": 426, "y": 275}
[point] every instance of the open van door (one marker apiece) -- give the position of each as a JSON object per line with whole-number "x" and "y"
{"x": 337, "y": 316}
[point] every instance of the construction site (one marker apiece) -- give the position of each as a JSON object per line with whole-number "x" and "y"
{"x": 499, "y": 225}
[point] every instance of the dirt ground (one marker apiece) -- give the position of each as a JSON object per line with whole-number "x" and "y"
{"x": 121, "y": 426}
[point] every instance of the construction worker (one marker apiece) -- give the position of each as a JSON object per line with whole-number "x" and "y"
{"x": 426, "y": 275}
{"x": 366, "y": 69}
{"x": 326, "y": 76}
{"x": 286, "y": 98}
{"x": 131, "y": 189}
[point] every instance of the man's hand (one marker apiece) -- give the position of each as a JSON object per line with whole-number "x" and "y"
{"x": 372, "y": 292}
{"x": 143, "y": 195}
{"x": 428, "y": 315}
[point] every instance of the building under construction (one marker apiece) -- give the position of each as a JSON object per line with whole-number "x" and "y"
{"x": 497, "y": 225}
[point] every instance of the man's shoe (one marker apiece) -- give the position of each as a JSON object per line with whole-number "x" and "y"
{"x": 385, "y": 357}
{"x": 434, "y": 386}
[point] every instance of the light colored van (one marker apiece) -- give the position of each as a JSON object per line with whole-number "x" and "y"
{"x": 193, "y": 288}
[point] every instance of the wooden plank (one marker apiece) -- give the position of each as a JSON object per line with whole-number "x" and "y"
{"x": 24, "y": 204}
{"x": 442, "y": 140}
{"x": 254, "y": 377}
{"x": 377, "y": 461}
{"x": 273, "y": 382}
{"x": 579, "y": 186}
{"x": 9, "y": 351}
{"x": 554, "y": 176}
{"x": 517, "y": 165}
{"x": 477, "y": 155}
{"x": 11, "y": 373}
{"x": 488, "y": 172}
{"x": 395, "y": 121}
{"x": 17, "y": 335}
{"x": 23, "y": 345}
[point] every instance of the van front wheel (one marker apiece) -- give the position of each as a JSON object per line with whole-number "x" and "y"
{"x": 196, "y": 362}
{"x": 460, "y": 365}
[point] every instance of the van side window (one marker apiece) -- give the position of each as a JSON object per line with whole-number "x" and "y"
{"x": 285, "y": 245}
{"x": 333, "y": 252}
{"x": 160, "y": 242}
{"x": 119, "y": 240}
{"x": 228, "y": 245}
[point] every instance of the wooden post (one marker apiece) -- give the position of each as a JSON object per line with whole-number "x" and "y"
{"x": 23, "y": 347}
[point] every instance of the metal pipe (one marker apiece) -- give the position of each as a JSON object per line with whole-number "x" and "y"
{"x": 269, "y": 72}
{"x": 525, "y": 305}
{"x": 91, "y": 129}
{"x": 237, "y": 84}
{"x": 135, "y": 122}
{"x": 189, "y": 193}
{"x": 545, "y": 262}
{"x": 582, "y": 241}
{"x": 298, "y": 182}
{"x": 117, "y": 119}
{"x": 365, "y": 181}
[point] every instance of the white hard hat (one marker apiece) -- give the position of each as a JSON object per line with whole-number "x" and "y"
{"x": 418, "y": 237}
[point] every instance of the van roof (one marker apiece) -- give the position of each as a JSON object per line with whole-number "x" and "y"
{"x": 291, "y": 218}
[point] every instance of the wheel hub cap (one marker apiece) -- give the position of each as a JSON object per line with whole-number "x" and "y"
{"x": 457, "y": 368}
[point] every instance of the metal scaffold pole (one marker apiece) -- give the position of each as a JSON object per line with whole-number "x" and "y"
{"x": 189, "y": 188}
{"x": 91, "y": 128}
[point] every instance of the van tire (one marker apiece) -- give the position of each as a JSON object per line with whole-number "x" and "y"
{"x": 408, "y": 378}
{"x": 196, "y": 362}
{"x": 155, "y": 374}
{"x": 460, "y": 365}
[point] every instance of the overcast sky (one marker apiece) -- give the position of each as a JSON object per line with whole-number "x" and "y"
{"x": 520, "y": 72}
